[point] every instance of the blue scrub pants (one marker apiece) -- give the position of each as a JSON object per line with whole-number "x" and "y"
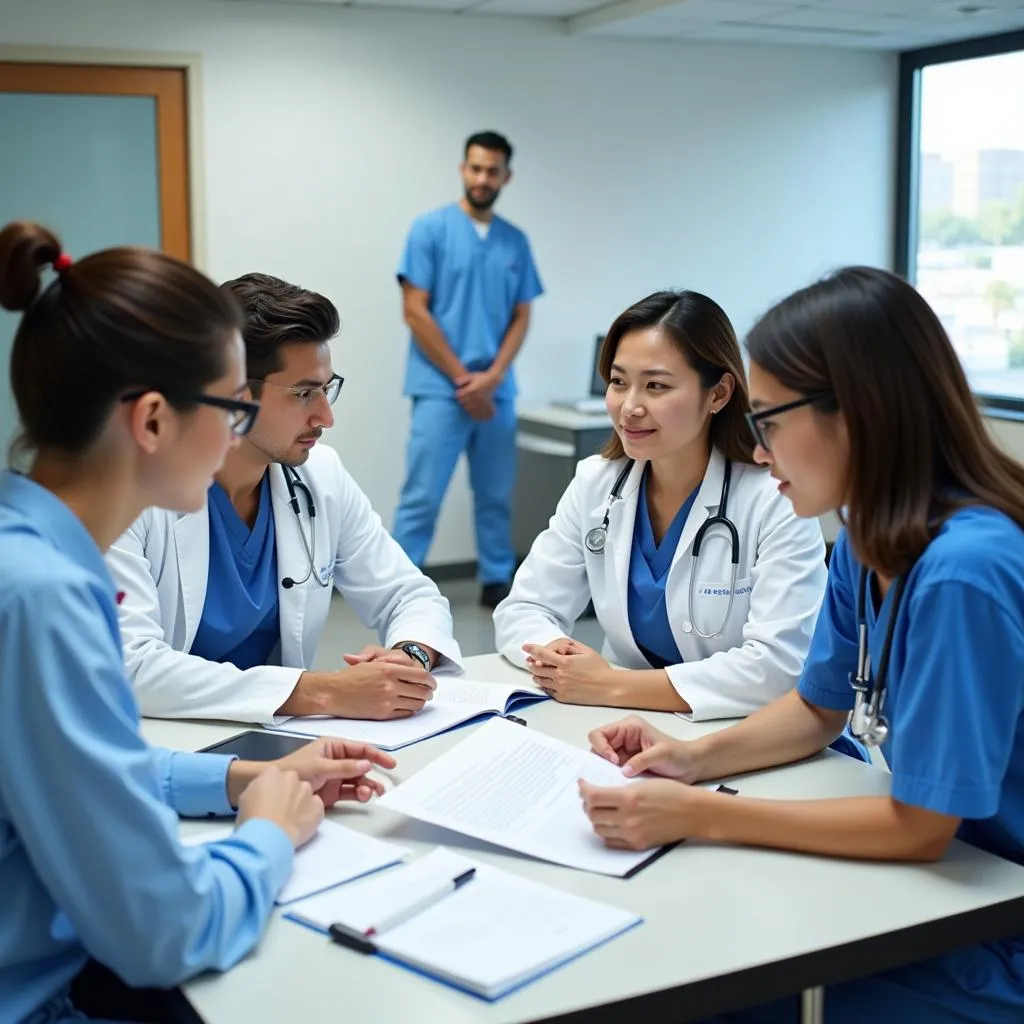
{"x": 441, "y": 431}
{"x": 977, "y": 985}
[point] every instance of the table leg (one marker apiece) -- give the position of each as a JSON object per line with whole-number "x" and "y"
{"x": 812, "y": 1006}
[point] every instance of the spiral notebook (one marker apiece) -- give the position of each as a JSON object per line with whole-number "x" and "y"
{"x": 489, "y": 937}
{"x": 457, "y": 701}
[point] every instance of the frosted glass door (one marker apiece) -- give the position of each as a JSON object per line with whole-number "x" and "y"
{"x": 87, "y": 167}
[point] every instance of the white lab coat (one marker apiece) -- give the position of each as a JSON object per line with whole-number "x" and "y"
{"x": 779, "y": 586}
{"x": 162, "y": 562}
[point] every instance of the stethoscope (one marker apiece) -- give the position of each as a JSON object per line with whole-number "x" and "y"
{"x": 867, "y": 723}
{"x": 294, "y": 483}
{"x": 597, "y": 539}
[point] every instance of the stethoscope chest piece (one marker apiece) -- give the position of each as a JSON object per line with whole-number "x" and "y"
{"x": 294, "y": 483}
{"x": 867, "y": 721}
{"x": 596, "y": 539}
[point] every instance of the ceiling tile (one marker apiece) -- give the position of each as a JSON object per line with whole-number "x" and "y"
{"x": 831, "y": 20}
{"x": 896, "y": 8}
{"x": 536, "y": 8}
{"x": 718, "y": 11}
{"x": 656, "y": 25}
{"x": 417, "y": 5}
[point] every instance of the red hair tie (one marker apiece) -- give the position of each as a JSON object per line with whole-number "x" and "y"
{"x": 62, "y": 262}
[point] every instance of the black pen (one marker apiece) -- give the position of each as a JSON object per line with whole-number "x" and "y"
{"x": 424, "y": 902}
{"x": 352, "y": 939}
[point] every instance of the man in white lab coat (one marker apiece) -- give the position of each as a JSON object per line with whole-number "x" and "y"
{"x": 222, "y": 609}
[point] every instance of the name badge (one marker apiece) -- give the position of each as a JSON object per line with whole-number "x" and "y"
{"x": 722, "y": 589}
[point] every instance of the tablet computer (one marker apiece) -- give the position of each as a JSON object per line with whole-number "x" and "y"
{"x": 258, "y": 745}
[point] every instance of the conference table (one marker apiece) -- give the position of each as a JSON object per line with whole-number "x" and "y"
{"x": 723, "y": 927}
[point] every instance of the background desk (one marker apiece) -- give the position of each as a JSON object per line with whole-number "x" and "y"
{"x": 724, "y": 927}
{"x": 549, "y": 443}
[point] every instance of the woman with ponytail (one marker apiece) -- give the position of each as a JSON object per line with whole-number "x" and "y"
{"x": 126, "y": 369}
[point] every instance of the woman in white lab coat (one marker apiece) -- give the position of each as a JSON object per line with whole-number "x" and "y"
{"x": 712, "y": 637}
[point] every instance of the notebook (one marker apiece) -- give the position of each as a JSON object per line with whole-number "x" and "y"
{"x": 489, "y": 937}
{"x": 457, "y": 700}
{"x": 517, "y": 788}
{"x": 334, "y": 855}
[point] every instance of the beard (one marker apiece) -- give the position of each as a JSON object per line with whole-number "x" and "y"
{"x": 283, "y": 455}
{"x": 484, "y": 198}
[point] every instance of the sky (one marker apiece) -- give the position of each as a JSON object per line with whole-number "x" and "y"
{"x": 973, "y": 104}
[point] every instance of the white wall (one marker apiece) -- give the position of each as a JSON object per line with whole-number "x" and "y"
{"x": 740, "y": 171}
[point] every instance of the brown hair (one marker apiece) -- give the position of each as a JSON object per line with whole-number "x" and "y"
{"x": 919, "y": 449}
{"x": 699, "y": 328}
{"x": 119, "y": 319}
{"x": 278, "y": 313}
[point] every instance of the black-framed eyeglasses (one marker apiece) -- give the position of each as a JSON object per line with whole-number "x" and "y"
{"x": 754, "y": 418}
{"x": 242, "y": 414}
{"x": 330, "y": 390}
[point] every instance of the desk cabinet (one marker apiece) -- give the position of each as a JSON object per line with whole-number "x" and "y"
{"x": 549, "y": 443}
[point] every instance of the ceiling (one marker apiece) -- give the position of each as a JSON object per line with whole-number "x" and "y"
{"x": 863, "y": 24}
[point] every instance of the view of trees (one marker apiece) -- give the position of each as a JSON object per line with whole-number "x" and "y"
{"x": 999, "y": 223}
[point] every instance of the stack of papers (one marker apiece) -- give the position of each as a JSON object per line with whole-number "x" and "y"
{"x": 490, "y": 936}
{"x": 334, "y": 855}
{"x": 456, "y": 701}
{"x": 518, "y": 788}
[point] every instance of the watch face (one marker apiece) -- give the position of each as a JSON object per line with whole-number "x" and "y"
{"x": 418, "y": 653}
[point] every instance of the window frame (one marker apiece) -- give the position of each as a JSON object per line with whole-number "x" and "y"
{"x": 908, "y": 151}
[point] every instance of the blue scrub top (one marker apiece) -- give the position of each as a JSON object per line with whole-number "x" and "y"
{"x": 475, "y": 285}
{"x": 90, "y": 862}
{"x": 955, "y": 698}
{"x": 240, "y": 622}
{"x": 649, "y": 564}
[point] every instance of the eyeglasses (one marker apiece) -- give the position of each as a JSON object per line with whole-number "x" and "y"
{"x": 330, "y": 390}
{"x": 242, "y": 414}
{"x": 754, "y": 418}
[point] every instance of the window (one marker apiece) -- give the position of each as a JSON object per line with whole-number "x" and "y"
{"x": 960, "y": 229}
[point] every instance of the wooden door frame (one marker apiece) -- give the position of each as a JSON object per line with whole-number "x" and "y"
{"x": 190, "y": 64}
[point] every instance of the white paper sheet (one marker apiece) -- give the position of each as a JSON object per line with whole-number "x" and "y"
{"x": 334, "y": 855}
{"x": 491, "y": 935}
{"x": 517, "y": 788}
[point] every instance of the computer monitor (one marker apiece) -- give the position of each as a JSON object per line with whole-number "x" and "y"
{"x": 593, "y": 404}
{"x": 597, "y": 384}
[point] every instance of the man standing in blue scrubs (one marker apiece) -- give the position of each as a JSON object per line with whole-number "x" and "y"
{"x": 467, "y": 279}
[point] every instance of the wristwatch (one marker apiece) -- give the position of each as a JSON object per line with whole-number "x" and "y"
{"x": 415, "y": 651}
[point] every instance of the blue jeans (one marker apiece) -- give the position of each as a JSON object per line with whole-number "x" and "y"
{"x": 441, "y": 431}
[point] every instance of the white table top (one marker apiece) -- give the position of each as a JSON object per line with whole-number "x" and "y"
{"x": 708, "y": 911}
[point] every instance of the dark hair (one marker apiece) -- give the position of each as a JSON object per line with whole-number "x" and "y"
{"x": 118, "y": 319}
{"x": 918, "y": 447}
{"x": 699, "y": 328}
{"x": 278, "y": 313}
{"x": 492, "y": 141}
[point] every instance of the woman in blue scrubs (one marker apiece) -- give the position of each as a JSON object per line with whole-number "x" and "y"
{"x": 861, "y": 405}
{"x": 127, "y": 370}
